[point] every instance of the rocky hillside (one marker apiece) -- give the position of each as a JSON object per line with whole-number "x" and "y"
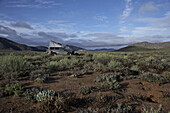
{"x": 8, "y": 45}
{"x": 152, "y": 45}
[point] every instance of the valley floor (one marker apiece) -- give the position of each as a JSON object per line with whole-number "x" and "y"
{"x": 90, "y": 84}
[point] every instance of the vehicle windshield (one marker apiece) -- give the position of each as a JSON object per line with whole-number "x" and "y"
{"x": 56, "y": 48}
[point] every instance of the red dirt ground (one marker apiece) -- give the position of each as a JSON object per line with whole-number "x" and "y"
{"x": 134, "y": 92}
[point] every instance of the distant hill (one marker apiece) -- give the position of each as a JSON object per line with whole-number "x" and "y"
{"x": 145, "y": 46}
{"x": 133, "y": 48}
{"x": 152, "y": 45}
{"x": 73, "y": 48}
{"x": 103, "y": 49}
{"x": 8, "y": 45}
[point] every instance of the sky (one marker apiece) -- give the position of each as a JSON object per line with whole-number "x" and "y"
{"x": 90, "y": 24}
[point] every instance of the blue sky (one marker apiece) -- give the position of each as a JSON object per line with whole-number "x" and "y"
{"x": 85, "y": 23}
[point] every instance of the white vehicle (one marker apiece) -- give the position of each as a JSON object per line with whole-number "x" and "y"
{"x": 58, "y": 49}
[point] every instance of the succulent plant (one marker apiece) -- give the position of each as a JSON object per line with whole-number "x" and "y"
{"x": 45, "y": 94}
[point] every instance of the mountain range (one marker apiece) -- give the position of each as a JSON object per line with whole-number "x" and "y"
{"x": 145, "y": 46}
{"x": 8, "y": 45}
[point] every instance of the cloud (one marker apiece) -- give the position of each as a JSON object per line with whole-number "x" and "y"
{"x": 100, "y": 18}
{"x": 155, "y": 26}
{"x": 56, "y": 22}
{"x": 21, "y": 25}
{"x": 55, "y": 34}
{"x": 127, "y": 11}
{"x": 35, "y": 4}
{"x": 6, "y": 30}
{"x": 41, "y": 35}
{"x": 148, "y": 7}
{"x": 100, "y": 35}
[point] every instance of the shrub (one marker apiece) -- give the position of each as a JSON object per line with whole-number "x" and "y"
{"x": 36, "y": 57}
{"x": 87, "y": 57}
{"x": 63, "y": 64}
{"x": 79, "y": 73}
{"x": 2, "y": 92}
{"x": 99, "y": 67}
{"x": 30, "y": 94}
{"x": 114, "y": 65}
{"x": 13, "y": 89}
{"x": 57, "y": 58}
{"x": 110, "y": 85}
{"x": 152, "y": 110}
{"x": 85, "y": 90}
{"x": 123, "y": 108}
{"x": 45, "y": 94}
{"x": 120, "y": 108}
{"x": 104, "y": 99}
{"x": 109, "y": 81}
{"x": 108, "y": 77}
{"x": 13, "y": 66}
{"x": 89, "y": 66}
{"x": 39, "y": 80}
{"x": 135, "y": 68}
{"x": 39, "y": 75}
{"x": 151, "y": 64}
{"x": 149, "y": 77}
{"x": 56, "y": 104}
{"x": 53, "y": 66}
{"x": 102, "y": 58}
{"x": 166, "y": 74}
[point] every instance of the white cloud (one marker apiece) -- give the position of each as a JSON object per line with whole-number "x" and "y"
{"x": 100, "y": 18}
{"x": 127, "y": 11}
{"x": 41, "y": 35}
{"x": 148, "y": 7}
{"x": 155, "y": 26}
{"x": 124, "y": 29}
{"x": 35, "y": 4}
{"x": 56, "y": 22}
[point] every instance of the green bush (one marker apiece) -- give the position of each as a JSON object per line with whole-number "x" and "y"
{"x": 40, "y": 75}
{"x": 88, "y": 65}
{"x": 152, "y": 110}
{"x": 13, "y": 66}
{"x": 85, "y": 90}
{"x": 30, "y": 94}
{"x": 2, "y": 92}
{"x": 53, "y": 65}
{"x": 37, "y": 57}
{"x": 108, "y": 77}
{"x": 39, "y": 80}
{"x": 57, "y": 58}
{"x": 102, "y": 58}
{"x": 79, "y": 73}
{"x": 135, "y": 68}
{"x": 152, "y": 64}
{"x": 110, "y": 85}
{"x": 45, "y": 94}
{"x": 114, "y": 65}
{"x": 99, "y": 67}
{"x": 109, "y": 81}
{"x": 166, "y": 74}
{"x": 56, "y": 104}
{"x": 63, "y": 64}
{"x": 124, "y": 108}
{"x": 13, "y": 89}
{"x": 151, "y": 77}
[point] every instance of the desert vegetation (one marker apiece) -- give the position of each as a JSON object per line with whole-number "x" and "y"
{"x": 89, "y": 82}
